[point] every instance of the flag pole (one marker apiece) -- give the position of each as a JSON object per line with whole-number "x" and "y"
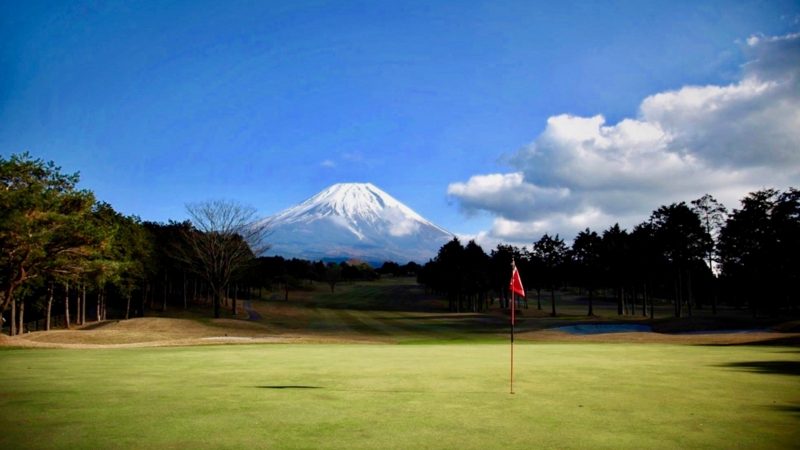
{"x": 513, "y": 307}
{"x": 516, "y": 288}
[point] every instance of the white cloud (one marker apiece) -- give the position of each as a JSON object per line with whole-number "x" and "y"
{"x": 581, "y": 172}
{"x": 328, "y": 164}
{"x": 508, "y": 191}
{"x": 753, "y": 122}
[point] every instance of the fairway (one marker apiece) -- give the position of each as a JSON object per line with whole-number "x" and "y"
{"x": 568, "y": 395}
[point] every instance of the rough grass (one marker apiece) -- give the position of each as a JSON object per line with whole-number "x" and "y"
{"x": 568, "y": 395}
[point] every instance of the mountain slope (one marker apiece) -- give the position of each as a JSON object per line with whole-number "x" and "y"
{"x": 354, "y": 220}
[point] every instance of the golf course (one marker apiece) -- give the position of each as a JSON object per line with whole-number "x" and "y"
{"x": 399, "y": 225}
{"x": 379, "y": 365}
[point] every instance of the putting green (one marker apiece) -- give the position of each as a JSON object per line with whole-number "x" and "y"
{"x": 401, "y": 396}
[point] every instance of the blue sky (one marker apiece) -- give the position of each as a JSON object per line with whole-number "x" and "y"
{"x": 451, "y": 107}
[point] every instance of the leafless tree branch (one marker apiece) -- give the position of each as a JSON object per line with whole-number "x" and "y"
{"x": 225, "y": 237}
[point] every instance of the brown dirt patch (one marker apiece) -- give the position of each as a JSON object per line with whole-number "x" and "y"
{"x": 157, "y": 332}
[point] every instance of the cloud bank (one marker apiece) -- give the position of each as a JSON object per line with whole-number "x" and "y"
{"x": 582, "y": 172}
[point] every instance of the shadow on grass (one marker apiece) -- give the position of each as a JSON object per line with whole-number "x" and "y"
{"x": 768, "y": 367}
{"x": 381, "y": 391}
{"x": 788, "y": 341}
{"x": 289, "y": 386}
{"x": 793, "y": 409}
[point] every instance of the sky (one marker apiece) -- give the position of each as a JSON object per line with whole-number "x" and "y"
{"x": 497, "y": 120}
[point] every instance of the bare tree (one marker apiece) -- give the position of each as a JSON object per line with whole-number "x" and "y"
{"x": 225, "y": 238}
{"x": 713, "y": 216}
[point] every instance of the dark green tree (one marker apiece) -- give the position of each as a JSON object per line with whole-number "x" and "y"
{"x": 390, "y": 268}
{"x": 685, "y": 243}
{"x": 499, "y": 271}
{"x": 126, "y": 251}
{"x": 333, "y": 275}
{"x": 786, "y": 224}
{"x": 552, "y": 252}
{"x": 476, "y": 277}
{"x": 615, "y": 262}
{"x": 758, "y": 250}
{"x": 44, "y": 219}
{"x": 586, "y": 252}
{"x": 444, "y": 274}
{"x": 647, "y": 262}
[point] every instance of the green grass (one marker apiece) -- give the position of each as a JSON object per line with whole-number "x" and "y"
{"x": 401, "y": 396}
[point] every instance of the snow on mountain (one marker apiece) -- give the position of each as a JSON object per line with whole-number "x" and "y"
{"x": 354, "y": 220}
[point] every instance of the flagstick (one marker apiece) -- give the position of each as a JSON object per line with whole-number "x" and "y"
{"x": 513, "y": 307}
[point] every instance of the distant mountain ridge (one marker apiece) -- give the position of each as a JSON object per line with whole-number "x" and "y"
{"x": 354, "y": 220}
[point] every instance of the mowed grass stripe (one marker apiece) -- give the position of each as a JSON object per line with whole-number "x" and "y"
{"x": 415, "y": 324}
{"x": 392, "y": 323}
{"x": 358, "y": 323}
{"x": 376, "y": 323}
{"x": 444, "y": 325}
{"x": 348, "y": 321}
{"x": 367, "y": 319}
{"x": 330, "y": 320}
{"x": 398, "y": 324}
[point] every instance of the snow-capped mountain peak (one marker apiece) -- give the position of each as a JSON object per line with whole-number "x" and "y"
{"x": 354, "y": 220}
{"x": 357, "y": 202}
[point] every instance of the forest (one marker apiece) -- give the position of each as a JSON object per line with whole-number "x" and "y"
{"x": 695, "y": 255}
{"x": 68, "y": 258}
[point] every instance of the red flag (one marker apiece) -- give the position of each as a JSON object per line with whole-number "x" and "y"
{"x": 516, "y": 282}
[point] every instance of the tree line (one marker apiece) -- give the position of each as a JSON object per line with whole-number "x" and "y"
{"x": 68, "y": 256}
{"x": 694, "y": 255}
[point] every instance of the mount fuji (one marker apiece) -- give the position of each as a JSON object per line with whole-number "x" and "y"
{"x": 354, "y": 220}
